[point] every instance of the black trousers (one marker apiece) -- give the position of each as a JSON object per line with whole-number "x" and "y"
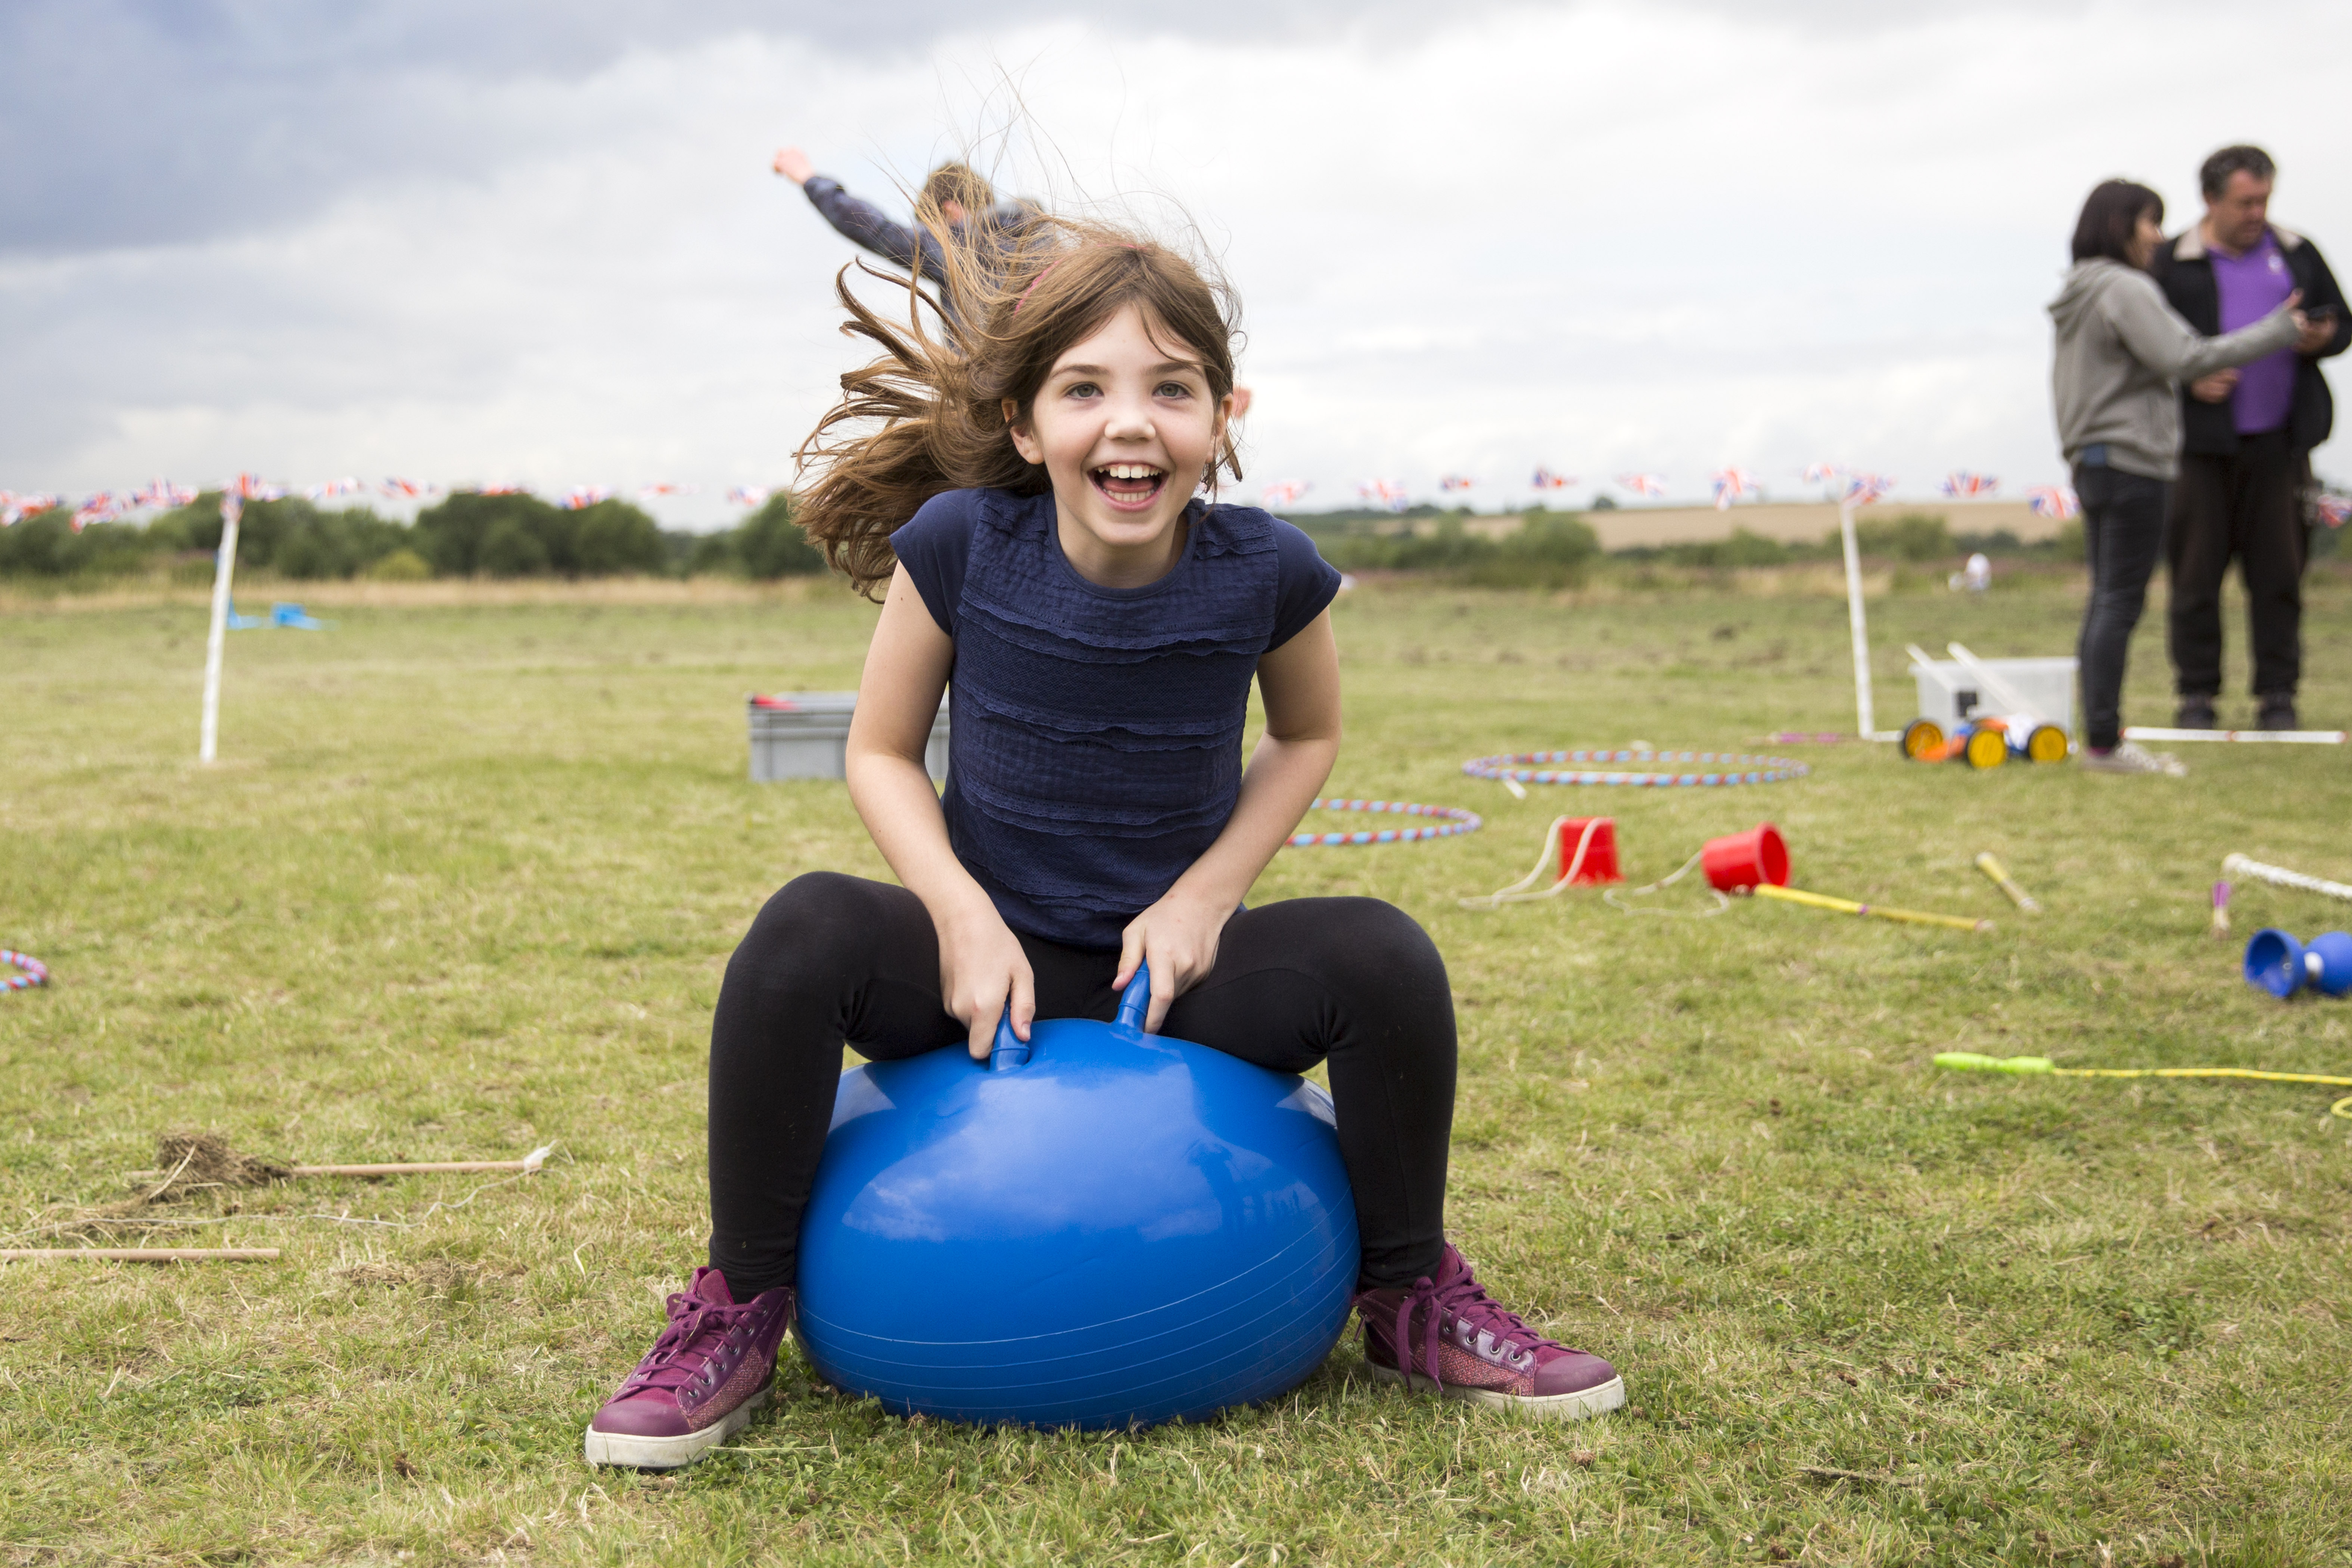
{"x": 2247, "y": 505}
{"x": 833, "y": 959}
{"x": 2123, "y": 533}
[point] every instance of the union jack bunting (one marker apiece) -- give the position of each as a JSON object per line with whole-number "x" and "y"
{"x": 1822, "y": 473}
{"x": 501, "y": 487}
{"x": 1545, "y": 479}
{"x": 251, "y": 487}
{"x": 580, "y": 495}
{"x": 1282, "y": 492}
{"x": 162, "y": 493}
{"x": 407, "y": 488}
{"x": 1452, "y": 482}
{"x": 2053, "y": 500}
{"x": 15, "y": 508}
{"x": 1861, "y": 490}
{"x": 2334, "y": 511}
{"x": 749, "y": 495}
{"x": 1642, "y": 484}
{"x": 1730, "y": 485}
{"x": 330, "y": 487}
{"x": 1389, "y": 493}
{"x": 1962, "y": 485}
{"x": 648, "y": 492}
{"x": 104, "y": 507}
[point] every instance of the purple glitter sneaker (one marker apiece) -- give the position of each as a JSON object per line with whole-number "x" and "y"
{"x": 1458, "y": 1340}
{"x": 699, "y": 1384}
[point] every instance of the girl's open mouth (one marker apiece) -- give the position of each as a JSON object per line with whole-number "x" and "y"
{"x": 1128, "y": 484}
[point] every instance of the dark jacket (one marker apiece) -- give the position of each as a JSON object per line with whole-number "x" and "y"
{"x": 914, "y": 245}
{"x": 2186, "y": 274}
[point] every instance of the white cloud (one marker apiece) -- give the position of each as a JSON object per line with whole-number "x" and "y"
{"x": 1603, "y": 239}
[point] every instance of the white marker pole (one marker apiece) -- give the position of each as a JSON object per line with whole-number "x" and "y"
{"x": 1864, "y": 720}
{"x": 223, "y": 570}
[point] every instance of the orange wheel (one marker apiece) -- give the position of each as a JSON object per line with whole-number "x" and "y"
{"x": 1988, "y": 749}
{"x": 1922, "y": 739}
{"x": 2046, "y": 744}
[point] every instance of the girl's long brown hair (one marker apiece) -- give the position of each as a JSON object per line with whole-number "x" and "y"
{"x": 928, "y": 416}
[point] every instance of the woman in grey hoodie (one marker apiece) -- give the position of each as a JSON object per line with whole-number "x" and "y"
{"x": 2122, "y": 353}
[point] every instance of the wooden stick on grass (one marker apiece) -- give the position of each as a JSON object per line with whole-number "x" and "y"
{"x": 144, "y": 1254}
{"x": 527, "y": 1164}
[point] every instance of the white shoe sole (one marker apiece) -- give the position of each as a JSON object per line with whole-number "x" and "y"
{"x": 669, "y": 1453}
{"x": 1599, "y": 1398}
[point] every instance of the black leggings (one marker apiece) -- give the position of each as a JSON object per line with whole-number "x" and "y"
{"x": 2123, "y": 533}
{"x": 834, "y": 959}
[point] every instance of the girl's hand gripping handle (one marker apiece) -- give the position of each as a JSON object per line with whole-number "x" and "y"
{"x": 1011, "y": 1051}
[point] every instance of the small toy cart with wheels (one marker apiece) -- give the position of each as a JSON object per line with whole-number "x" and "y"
{"x": 1986, "y": 711}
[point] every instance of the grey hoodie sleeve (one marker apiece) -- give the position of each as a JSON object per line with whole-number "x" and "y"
{"x": 2157, "y": 336}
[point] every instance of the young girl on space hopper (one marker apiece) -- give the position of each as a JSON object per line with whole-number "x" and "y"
{"x": 1023, "y": 503}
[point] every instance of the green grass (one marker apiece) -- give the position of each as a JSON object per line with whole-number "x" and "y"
{"x": 464, "y": 879}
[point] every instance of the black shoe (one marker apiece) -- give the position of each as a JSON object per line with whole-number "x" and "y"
{"x": 2277, "y": 713}
{"x": 2195, "y": 713}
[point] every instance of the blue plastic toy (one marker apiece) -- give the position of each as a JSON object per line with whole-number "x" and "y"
{"x": 1100, "y": 1228}
{"x": 285, "y": 614}
{"x": 2281, "y": 965}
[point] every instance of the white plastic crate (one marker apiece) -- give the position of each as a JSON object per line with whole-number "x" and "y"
{"x": 1950, "y": 695}
{"x": 806, "y": 735}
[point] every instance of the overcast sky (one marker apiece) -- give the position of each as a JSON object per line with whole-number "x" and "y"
{"x": 538, "y": 241}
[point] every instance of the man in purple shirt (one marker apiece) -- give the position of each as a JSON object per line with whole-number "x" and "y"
{"x": 2246, "y": 438}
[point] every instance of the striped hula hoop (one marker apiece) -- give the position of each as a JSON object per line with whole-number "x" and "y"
{"x": 35, "y": 972}
{"x": 1455, "y": 820}
{"x": 1529, "y": 767}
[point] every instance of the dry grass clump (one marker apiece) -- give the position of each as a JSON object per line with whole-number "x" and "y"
{"x": 191, "y": 1162}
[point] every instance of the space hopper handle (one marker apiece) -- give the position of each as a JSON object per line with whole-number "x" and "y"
{"x": 1012, "y": 1052}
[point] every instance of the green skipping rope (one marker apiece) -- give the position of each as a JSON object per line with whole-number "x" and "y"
{"x": 1970, "y": 1061}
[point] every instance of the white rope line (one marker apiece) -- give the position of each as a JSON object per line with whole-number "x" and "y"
{"x": 1661, "y": 885}
{"x": 1518, "y": 893}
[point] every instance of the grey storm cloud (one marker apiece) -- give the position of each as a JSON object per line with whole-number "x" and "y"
{"x": 146, "y": 121}
{"x": 131, "y": 123}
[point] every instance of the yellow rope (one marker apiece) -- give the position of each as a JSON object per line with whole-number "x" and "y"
{"x": 1970, "y": 1061}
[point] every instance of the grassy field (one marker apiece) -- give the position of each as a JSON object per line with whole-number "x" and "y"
{"x": 464, "y": 879}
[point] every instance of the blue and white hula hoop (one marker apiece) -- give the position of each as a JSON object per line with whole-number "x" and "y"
{"x": 1527, "y": 767}
{"x": 35, "y": 972}
{"x": 1456, "y": 821}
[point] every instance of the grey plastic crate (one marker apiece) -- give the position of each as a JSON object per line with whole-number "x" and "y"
{"x": 1948, "y": 693}
{"x": 806, "y": 735}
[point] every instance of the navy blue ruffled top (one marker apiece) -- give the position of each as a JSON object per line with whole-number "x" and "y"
{"x": 1096, "y": 748}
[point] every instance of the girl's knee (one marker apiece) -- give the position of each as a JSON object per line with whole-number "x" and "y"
{"x": 1370, "y": 941}
{"x": 817, "y": 916}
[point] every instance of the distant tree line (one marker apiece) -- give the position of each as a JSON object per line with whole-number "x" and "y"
{"x": 465, "y": 535}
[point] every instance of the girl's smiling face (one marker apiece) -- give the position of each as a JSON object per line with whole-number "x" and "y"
{"x": 1126, "y": 427}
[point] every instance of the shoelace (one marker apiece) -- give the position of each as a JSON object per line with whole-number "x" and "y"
{"x": 1466, "y": 1300}
{"x": 670, "y": 1366}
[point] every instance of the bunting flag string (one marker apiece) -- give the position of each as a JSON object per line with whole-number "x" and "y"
{"x": 2334, "y": 511}
{"x": 1727, "y": 485}
{"x": 2053, "y": 501}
